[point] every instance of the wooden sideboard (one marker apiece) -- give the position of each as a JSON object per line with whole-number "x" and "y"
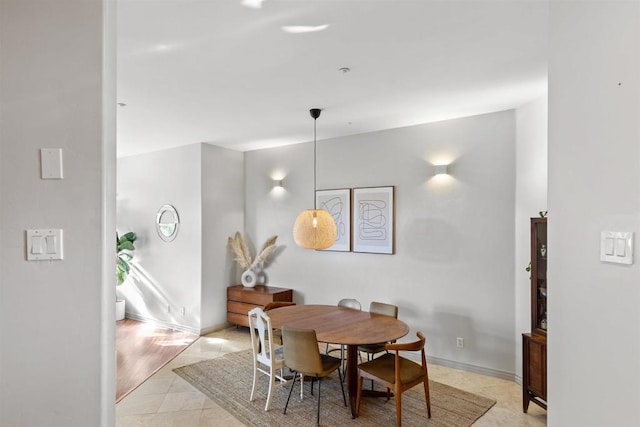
{"x": 241, "y": 299}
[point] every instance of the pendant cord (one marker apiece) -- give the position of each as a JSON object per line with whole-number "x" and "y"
{"x": 314, "y": 163}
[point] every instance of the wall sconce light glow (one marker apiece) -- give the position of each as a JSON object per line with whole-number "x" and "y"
{"x": 277, "y": 183}
{"x": 253, "y": 4}
{"x": 441, "y": 169}
{"x": 165, "y": 47}
{"x": 300, "y": 29}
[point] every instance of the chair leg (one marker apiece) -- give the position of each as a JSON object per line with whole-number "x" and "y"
{"x": 398, "y": 406}
{"x": 427, "y": 397}
{"x": 293, "y": 383}
{"x": 344, "y": 363}
{"x": 272, "y": 381}
{"x": 344, "y": 398}
{"x": 319, "y": 382}
{"x": 255, "y": 380}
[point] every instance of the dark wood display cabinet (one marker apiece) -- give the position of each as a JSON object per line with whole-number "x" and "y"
{"x": 534, "y": 344}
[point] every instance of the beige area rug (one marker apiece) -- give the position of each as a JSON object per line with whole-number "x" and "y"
{"x": 227, "y": 381}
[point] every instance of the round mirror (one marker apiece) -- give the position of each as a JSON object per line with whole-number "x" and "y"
{"x": 167, "y": 223}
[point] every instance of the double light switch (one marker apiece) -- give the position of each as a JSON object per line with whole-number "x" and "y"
{"x": 44, "y": 244}
{"x": 616, "y": 246}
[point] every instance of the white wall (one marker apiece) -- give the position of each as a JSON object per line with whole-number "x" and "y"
{"x": 594, "y": 185}
{"x": 222, "y": 216}
{"x": 531, "y": 198}
{"x": 166, "y": 275}
{"x": 205, "y": 185}
{"x": 452, "y": 275}
{"x": 57, "y": 318}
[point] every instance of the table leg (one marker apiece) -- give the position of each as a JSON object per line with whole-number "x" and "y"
{"x": 352, "y": 376}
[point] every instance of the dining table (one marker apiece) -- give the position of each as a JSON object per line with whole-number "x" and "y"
{"x": 342, "y": 326}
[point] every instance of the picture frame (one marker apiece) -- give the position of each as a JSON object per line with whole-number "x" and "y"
{"x": 374, "y": 220}
{"x": 338, "y": 203}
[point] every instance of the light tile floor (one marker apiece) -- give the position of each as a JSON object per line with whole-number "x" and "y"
{"x": 166, "y": 400}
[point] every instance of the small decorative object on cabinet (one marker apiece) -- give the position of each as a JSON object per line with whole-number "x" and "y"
{"x": 240, "y": 300}
{"x": 534, "y": 345}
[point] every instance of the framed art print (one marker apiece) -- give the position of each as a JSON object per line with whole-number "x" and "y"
{"x": 373, "y": 220}
{"x": 338, "y": 203}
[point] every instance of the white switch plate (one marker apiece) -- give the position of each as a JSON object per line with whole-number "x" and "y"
{"x": 45, "y": 244}
{"x": 616, "y": 247}
{"x": 51, "y": 163}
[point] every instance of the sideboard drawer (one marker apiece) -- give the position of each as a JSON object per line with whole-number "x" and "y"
{"x": 240, "y": 300}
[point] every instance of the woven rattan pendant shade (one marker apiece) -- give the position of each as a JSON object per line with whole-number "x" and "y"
{"x": 315, "y": 228}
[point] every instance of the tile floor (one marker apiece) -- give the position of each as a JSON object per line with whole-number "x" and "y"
{"x": 166, "y": 400}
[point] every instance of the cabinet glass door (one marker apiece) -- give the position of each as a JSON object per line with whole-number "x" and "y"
{"x": 539, "y": 252}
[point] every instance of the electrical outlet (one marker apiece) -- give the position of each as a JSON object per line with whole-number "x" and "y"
{"x": 168, "y": 308}
{"x": 184, "y": 311}
{"x": 460, "y": 342}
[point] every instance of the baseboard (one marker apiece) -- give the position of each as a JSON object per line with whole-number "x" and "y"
{"x": 510, "y": 376}
{"x": 496, "y": 373}
{"x": 163, "y": 324}
{"x": 214, "y": 328}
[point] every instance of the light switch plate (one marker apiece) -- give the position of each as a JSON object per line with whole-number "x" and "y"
{"x": 616, "y": 247}
{"x": 51, "y": 163}
{"x": 44, "y": 245}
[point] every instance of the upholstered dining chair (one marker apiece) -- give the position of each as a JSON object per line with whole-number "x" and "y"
{"x": 349, "y": 303}
{"x": 302, "y": 356}
{"x": 386, "y": 310}
{"x": 397, "y": 373}
{"x": 267, "y": 356}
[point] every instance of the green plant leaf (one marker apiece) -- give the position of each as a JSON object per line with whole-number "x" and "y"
{"x": 130, "y": 236}
{"x": 126, "y": 245}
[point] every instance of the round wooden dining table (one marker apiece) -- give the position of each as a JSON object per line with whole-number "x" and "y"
{"x": 342, "y": 325}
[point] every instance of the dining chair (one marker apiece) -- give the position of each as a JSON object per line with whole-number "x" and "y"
{"x": 386, "y": 310}
{"x": 277, "y": 334}
{"x": 267, "y": 356}
{"x": 349, "y": 303}
{"x": 302, "y": 356}
{"x": 397, "y": 373}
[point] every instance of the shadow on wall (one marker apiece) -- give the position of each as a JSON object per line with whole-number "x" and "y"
{"x": 444, "y": 327}
{"x": 431, "y": 240}
{"x": 145, "y": 298}
{"x": 480, "y": 347}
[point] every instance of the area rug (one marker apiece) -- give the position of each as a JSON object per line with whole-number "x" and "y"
{"x": 227, "y": 381}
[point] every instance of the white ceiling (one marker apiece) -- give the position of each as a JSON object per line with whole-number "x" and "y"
{"x": 220, "y": 72}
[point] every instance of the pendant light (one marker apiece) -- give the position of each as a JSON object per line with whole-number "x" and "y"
{"x": 315, "y": 228}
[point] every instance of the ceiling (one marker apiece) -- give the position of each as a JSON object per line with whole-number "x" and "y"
{"x": 224, "y": 72}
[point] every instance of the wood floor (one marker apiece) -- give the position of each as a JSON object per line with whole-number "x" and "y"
{"x": 142, "y": 349}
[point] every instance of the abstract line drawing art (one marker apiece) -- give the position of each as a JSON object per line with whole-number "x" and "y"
{"x": 372, "y": 225}
{"x": 338, "y": 204}
{"x": 373, "y": 222}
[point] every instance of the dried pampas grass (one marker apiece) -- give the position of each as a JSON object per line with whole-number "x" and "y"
{"x": 241, "y": 252}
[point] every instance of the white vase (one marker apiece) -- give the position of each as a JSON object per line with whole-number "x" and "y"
{"x": 249, "y": 278}
{"x": 120, "y": 303}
